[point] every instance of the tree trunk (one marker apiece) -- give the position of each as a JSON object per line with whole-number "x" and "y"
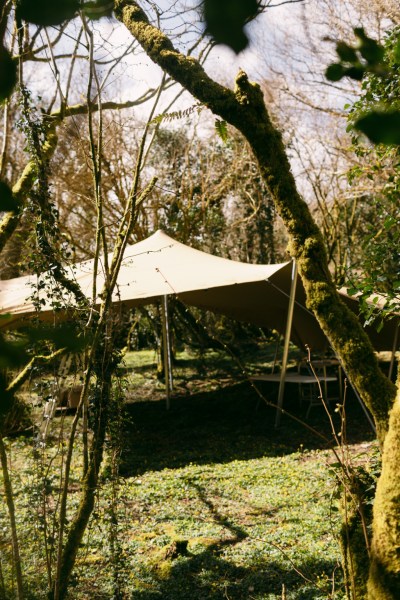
{"x": 244, "y": 108}
{"x": 22, "y": 187}
{"x": 11, "y": 513}
{"x": 384, "y": 576}
{"x": 356, "y": 511}
{"x": 81, "y": 519}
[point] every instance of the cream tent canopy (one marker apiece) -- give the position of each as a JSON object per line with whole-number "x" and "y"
{"x": 160, "y": 266}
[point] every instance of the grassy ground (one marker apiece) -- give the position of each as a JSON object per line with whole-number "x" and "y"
{"x": 213, "y": 502}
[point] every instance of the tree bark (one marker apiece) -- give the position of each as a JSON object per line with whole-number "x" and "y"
{"x": 23, "y": 186}
{"x": 384, "y": 577}
{"x": 11, "y": 512}
{"x": 81, "y": 519}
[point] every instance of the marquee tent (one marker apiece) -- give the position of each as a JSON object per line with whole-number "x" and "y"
{"x": 271, "y": 296}
{"x": 160, "y": 266}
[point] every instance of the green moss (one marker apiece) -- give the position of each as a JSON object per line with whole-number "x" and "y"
{"x": 357, "y": 517}
{"x": 384, "y": 578}
{"x": 21, "y": 188}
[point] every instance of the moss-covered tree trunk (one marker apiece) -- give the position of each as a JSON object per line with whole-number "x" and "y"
{"x": 89, "y": 488}
{"x": 356, "y": 511}
{"x": 11, "y": 512}
{"x": 384, "y": 577}
{"x": 23, "y": 186}
{"x": 244, "y": 108}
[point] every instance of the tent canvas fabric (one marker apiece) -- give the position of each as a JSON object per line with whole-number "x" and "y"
{"x": 160, "y": 266}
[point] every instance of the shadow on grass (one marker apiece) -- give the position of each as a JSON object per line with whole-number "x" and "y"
{"x": 225, "y": 425}
{"x": 207, "y": 576}
{"x": 210, "y": 575}
{"x": 198, "y": 365}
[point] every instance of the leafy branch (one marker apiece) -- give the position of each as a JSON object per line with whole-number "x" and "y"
{"x": 365, "y": 61}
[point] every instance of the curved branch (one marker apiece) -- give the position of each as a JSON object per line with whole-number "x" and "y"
{"x": 20, "y": 379}
{"x": 24, "y": 185}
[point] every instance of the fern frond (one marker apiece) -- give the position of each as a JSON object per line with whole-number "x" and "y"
{"x": 179, "y": 114}
{"x": 222, "y": 129}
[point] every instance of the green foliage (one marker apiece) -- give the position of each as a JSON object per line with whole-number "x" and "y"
{"x": 366, "y": 56}
{"x": 12, "y": 355}
{"x": 369, "y": 49}
{"x": 17, "y": 419}
{"x": 179, "y": 114}
{"x": 377, "y": 113}
{"x": 225, "y": 21}
{"x": 12, "y": 352}
{"x": 7, "y": 202}
{"x": 18, "y": 349}
{"x": 211, "y": 475}
{"x": 238, "y": 519}
{"x": 221, "y": 129}
{"x": 98, "y": 8}
{"x": 65, "y": 335}
{"x": 8, "y": 75}
{"x": 336, "y": 71}
{"x": 378, "y": 66}
{"x": 246, "y": 523}
{"x": 381, "y": 127}
{"x": 47, "y": 12}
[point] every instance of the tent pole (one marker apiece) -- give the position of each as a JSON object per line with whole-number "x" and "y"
{"x": 395, "y": 342}
{"x": 365, "y": 411}
{"x": 286, "y": 344}
{"x": 167, "y": 351}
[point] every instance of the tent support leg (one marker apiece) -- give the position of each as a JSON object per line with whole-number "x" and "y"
{"x": 167, "y": 352}
{"x": 364, "y": 408}
{"x": 395, "y": 342}
{"x": 286, "y": 344}
{"x": 365, "y": 411}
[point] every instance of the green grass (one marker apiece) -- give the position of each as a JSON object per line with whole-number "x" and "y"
{"x": 251, "y": 526}
{"x": 252, "y": 506}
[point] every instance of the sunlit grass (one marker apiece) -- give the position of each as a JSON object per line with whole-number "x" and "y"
{"x": 212, "y": 502}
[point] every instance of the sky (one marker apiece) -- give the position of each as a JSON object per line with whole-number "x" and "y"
{"x": 280, "y": 55}
{"x": 279, "y": 28}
